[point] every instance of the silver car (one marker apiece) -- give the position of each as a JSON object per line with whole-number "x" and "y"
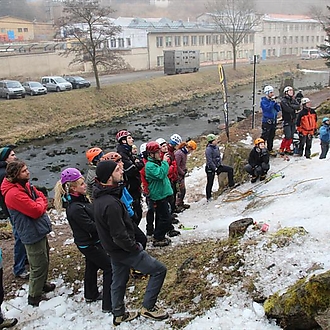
{"x": 56, "y": 84}
{"x": 34, "y": 88}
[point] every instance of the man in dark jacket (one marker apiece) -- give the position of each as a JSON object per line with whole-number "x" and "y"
{"x": 27, "y": 207}
{"x": 7, "y": 155}
{"x": 289, "y": 107}
{"x": 117, "y": 234}
{"x": 258, "y": 165}
{"x": 132, "y": 167}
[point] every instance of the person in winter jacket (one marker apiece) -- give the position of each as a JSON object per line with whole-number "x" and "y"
{"x": 269, "y": 108}
{"x": 290, "y": 107}
{"x": 214, "y": 165}
{"x": 93, "y": 156}
{"x": 132, "y": 167}
{"x": 7, "y": 155}
{"x": 258, "y": 163}
{"x": 117, "y": 233}
{"x": 181, "y": 155}
{"x": 324, "y": 137}
{"x": 70, "y": 192}
{"x": 27, "y": 207}
{"x": 159, "y": 192}
{"x": 306, "y": 126}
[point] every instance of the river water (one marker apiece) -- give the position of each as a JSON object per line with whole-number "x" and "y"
{"x": 45, "y": 158}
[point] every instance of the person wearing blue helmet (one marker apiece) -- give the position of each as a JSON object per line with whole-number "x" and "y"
{"x": 324, "y": 137}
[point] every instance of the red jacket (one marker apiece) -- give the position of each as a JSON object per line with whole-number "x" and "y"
{"x": 144, "y": 183}
{"x": 173, "y": 169}
{"x": 19, "y": 198}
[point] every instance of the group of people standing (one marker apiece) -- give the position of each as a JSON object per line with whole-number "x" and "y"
{"x": 105, "y": 212}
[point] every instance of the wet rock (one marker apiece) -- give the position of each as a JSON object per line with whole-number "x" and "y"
{"x": 59, "y": 139}
{"x": 50, "y": 153}
{"x": 214, "y": 120}
{"x": 33, "y": 155}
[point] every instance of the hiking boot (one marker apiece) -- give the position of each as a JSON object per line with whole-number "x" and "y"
{"x": 162, "y": 242}
{"x": 173, "y": 233}
{"x": 289, "y": 152}
{"x": 281, "y": 152}
{"x": 185, "y": 206}
{"x": 35, "y": 301}
{"x": 154, "y": 313}
{"x": 273, "y": 153}
{"x": 99, "y": 297}
{"x": 179, "y": 209}
{"x": 48, "y": 287}
{"x": 8, "y": 323}
{"x": 126, "y": 317}
{"x": 24, "y": 275}
{"x": 262, "y": 177}
{"x": 175, "y": 220}
{"x": 254, "y": 179}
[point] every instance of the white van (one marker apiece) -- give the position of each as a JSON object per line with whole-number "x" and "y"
{"x": 310, "y": 54}
{"x": 56, "y": 83}
{"x": 11, "y": 89}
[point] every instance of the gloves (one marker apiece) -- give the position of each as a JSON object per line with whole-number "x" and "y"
{"x": 264, "y": 152}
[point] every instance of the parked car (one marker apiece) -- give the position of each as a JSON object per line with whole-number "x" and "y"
{"x": 77, "y": 82}
{"x": 11, "y": 89}
{"x": 56, "y": 84}
{"x": 34, "y": 88}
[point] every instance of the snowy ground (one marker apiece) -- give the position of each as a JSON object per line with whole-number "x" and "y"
{"x": 300, "y": 198}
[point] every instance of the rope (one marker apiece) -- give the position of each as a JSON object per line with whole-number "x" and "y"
{"x": 236, "y": 195}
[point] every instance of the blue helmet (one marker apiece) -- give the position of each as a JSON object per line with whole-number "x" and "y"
{"x": 325, "y": 119}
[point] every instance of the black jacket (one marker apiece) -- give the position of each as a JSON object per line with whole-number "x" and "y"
{"x": 114, "y": 225}
{"x": 289, "y": 107}
{"x": 258, "y": 156}
{"x": 80, "y": 215}
{"x": 3, "y": 166}
{"x": 131, "y": 169}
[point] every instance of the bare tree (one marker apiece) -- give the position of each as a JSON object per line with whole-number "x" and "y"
{"x": 89, "y": 24}
{"x": 236, "y": 19}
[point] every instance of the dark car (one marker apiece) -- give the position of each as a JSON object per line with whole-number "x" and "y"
{"x": 77, "y": 82}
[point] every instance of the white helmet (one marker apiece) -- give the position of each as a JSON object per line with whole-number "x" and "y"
{"x": 143, "y": 148}
{"x": 305, "y": 100}
{"x": 287, "y": 88}
{"x": 175, "y": 139}
{"x": 268, "y": 89}
{"x": 160, "y": 141}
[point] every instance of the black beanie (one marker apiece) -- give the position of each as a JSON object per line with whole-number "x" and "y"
{"x": 4, "y": 153}
{"x": 104, "y": 169}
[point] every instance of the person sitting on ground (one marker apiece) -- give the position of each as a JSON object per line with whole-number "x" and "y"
{"x": 258, "y": 163}
{"x": 181, "y": 155}
{"x": 117, "y": 234}
{"x": 25, "y": 204}
{"x": 214, "y": 165}
{"x": 159, "y": 192}
{"x": 93, "y": 156}
{"x": 324, "y": 137}
{"x": 70, "y": 192}
{"x": 4, "y": 323}
{"x": 306, "y": 126}
{"x": 269, "y": 108}
{"x": 7, "y": 155}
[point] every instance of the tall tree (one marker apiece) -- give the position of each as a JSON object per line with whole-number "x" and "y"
{"x": 236, "y": 19}
{"x": 90, "y": 25}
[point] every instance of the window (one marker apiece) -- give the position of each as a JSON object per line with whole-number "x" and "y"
{"x": 168, "y": 41}
{"x": 246, "y": 39}
{"x": 193, "y": 40}
{"x": 264, "y": 42}
{"x": 216, "y": 39}
{"x": 177, "y": 40}
{"x": 312, "y": 39}
{"x": 269, "y": 40}
{"x": 160, "y": 60}
{"x": 20, "y": 30}
{"x": 284, "y": 39}
{"x": 290, "y": 39}
{"x": 251, "y": 38}
{"x": 307, "y": 38}
{"x": 274, "y": 40}
{"x": 302, "y": 39}
{"x": 278, "y": 40}
{"x": 113, "y": 43}
{"x": 121, "y": 42}
{"x": 185, "y": 40}
{"x": 26, "y": 30}
{"x": 296, "y": 39}
{"x": 201, "y": 40}
{"x": 128, "y": 42}
{"x": 159, "y": 41}
{"x": 317, "y": 39}
{"x": 209, "y": 40}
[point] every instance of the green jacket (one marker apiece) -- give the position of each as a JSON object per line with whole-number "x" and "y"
{"x": 158, "y": 183}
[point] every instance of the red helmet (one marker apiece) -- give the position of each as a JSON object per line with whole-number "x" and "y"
{"x": 92, "y": 153}
{"x": 153, "y": 147}
{"x": 112, "y": 155}
{"x": 122, "y": 134}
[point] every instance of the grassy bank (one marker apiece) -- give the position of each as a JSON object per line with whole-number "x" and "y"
{"x": 35, "y": 117}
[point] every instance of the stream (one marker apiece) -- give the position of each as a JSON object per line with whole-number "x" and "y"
{"x": 46, "y": 158}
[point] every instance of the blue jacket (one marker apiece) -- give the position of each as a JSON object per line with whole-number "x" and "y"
{"x": 324, "y": 133}
{"x": 213, "y": 157}
{"x": 269, "y": 108}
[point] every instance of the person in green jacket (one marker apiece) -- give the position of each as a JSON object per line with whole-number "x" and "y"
{"x": 160, "y": 191}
